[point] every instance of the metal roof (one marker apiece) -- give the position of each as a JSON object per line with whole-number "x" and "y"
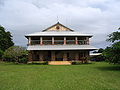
{"x": 61, "y": 47}
{"x": 95, "y": 54}
{"x": 54, "y": 33}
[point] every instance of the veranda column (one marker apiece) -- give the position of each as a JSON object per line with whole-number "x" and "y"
{"x": 41, "y": 41}
{"x": 76, "y": 55}
{"x": 41, "y": 56}
{"x": 29, "y": 40}
{"x": 30, "y": 56}
{"x": 87, "y": 38}
{"x": 76, "y": 40}
{"x": 64, "y": 56}
{"x": 64, "y": 40}
{"x": 52, "y": 55}
{"x": 53, "y": 41}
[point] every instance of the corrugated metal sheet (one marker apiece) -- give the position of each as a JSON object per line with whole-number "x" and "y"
{"x": 61, "y": 47}
{"x": 58, "y": 34}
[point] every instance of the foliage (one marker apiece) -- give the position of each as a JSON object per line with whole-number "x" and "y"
{"x": 115, "y": 36}
{"x": 112, "y": 53}
{"x": 39, "y": 63}
{"x": 98, "y": 58}
{"x": 15, "y": 54}
{"x": 100, "y": 50}
{"x": 1, "y": 53}
{"x": 5, "y": 39}
{"x": 76, "y": 62}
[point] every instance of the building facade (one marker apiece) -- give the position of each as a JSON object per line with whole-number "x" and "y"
{"x": 58, "y": 43}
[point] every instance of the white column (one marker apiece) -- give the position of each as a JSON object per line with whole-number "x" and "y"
{"x": 76, "y": 40}
{"x": 29, "y": 40}
{"x": 52, "y": 40}
{"x": 64, "y": 40}
{"x": 41, "y": 41}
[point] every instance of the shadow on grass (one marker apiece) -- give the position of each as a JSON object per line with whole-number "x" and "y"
{"x": 109, "y": 68}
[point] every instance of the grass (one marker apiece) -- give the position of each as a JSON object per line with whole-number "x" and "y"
{"x": 95, "y": 76}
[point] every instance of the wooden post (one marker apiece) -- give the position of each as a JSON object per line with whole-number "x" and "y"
{"x": 41, "y": 56}
{"x": 30, "y": 56}
{"x": 76, "y": 56}
{"x": 76, "y": 40}
{"x": 64, "y": 40}
{"x": 52, "y": 55}
{"x": 53, "y": 41}
{"x": 41, "y": 41}
{"x": 87, "y": 38}
{"x": 29, "y": 40}
{"x": 64, "y": 56}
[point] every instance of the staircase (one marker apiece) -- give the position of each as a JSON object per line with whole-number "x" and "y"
{"x": 59, "y": 63}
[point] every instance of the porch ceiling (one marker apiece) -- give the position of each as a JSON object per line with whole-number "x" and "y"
{"x": 61, "y": 47}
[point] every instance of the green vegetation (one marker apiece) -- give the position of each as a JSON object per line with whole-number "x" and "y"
{"x": 15, "y": 54}
{"x": 112, "y": 53}
{"x": 5, "y": 40}
{"x": 95, "y": 76}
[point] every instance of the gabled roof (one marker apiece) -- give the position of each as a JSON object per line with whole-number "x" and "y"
{"x": 58, "y": 27}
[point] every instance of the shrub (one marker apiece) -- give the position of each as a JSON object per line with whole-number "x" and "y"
{"x": 15, "y": 54}
{"x": 76, "y": 62}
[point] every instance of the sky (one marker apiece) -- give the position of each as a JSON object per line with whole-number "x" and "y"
{"x": 97, "y": 17}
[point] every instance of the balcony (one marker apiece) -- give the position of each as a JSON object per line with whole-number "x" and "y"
{"x": 35, "y": 42}
{"x": 47, "y": 42}
{"x": 82, "y": 42}
{"x": 58, "y": 42}
{"x": 70, "y": 41}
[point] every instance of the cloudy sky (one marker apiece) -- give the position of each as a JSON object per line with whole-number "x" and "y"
{"x": 97, "y": 17}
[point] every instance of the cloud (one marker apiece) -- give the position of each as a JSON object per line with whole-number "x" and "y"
{"x": 99, "y": 17}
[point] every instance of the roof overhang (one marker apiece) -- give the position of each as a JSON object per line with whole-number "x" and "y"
{"x": 61, "y": 47}
{"x": 58, "y": 34}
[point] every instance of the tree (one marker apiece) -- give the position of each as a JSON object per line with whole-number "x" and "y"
{"x": 115, "y": 36}
{"x": 5, "y": 39}
{"x": 15, "y": 54}
{"x": 112, "y": 53}
{"x": 1, "y": 53}
{"x": 100, "y": 50}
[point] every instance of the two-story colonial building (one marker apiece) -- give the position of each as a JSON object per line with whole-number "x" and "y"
{"x": 58, "y": 43}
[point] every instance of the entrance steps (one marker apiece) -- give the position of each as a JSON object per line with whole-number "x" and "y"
{"x": 59, "y": 63}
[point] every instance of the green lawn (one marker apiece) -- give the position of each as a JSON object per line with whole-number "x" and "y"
{"x": 95, "y": 76}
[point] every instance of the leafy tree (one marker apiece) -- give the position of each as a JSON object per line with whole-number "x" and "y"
{"x": 5, "y": 39}
{"x": 100, "y": 50}
{"x": 112, "y": 53}
{"x": 115, "y": 36}
{"x": 1, "y": 53}
{"x": 15, "y": 54}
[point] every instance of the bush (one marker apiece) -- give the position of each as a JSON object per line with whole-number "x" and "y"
{"x": 23, "y": 60}
{"x": 15, "y": 54}
{"x": 76, "y": 62}
{"x": 39, "y": 62}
